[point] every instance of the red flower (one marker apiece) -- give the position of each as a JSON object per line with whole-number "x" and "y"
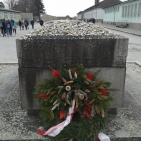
{"x": 103, "y": 92}
{"x": 90, "y": 76}
{"x": 62, "y": 114}
{"x": 87, "y": 112}
{"x": 55, "y": 73}
{"x": 43, "y": 96}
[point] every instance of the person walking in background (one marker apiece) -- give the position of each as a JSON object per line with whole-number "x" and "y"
{"x": 26, "y": 23}
{"x": 32, "y": 23}
{"x": 14, "y": 27}
{"x": 11, "y": 22}
{"x": 93, "y": 20}
{"x": 8, "y": 28}
{"x": 41, "y": 22}
{"x": 3, "y": 27}
{"x": 20, "y": 24}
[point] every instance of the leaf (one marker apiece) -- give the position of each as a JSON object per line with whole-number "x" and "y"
{"x": 52, "y": 114}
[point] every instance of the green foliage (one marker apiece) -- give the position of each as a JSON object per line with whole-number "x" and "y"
{"x": 40, "y": 6}
{"x": 88, "y": 92}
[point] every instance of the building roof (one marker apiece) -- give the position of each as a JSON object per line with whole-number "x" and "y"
{"x": 107, "y": 3}
{"x": 123, "y": 2}
{"x": 103, "y": 4}
{"x": 9, "y": 10}
{"x": 80, "y": 12}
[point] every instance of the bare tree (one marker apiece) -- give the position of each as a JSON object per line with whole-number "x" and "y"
{"x": 11, "y": 3}
{"x": 32, "y": 6}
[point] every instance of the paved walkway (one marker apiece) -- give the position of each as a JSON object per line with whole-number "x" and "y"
{"x": 16, "y": 125}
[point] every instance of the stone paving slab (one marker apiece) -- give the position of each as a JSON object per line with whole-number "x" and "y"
{"x": 130, "y": 102}
{"x": 8, "y": 81}
{"x": 134, "y": 76}
{"x": 127, "y": 123}
{"x": 135, "y": 89}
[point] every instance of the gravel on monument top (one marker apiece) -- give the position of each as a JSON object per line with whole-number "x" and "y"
{"x": 70, "y": 28}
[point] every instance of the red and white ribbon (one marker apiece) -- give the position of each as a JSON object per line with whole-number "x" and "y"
{"x": 55, "y": 130}
{"x": 103, "y": 137}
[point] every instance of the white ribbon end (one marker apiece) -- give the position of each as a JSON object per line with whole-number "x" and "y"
{"x": 103, "y": 137}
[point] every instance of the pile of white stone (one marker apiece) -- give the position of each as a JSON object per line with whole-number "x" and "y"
{"x": 70, "y": 28}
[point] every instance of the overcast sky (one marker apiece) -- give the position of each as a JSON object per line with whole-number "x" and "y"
{"x": 67, "y": 7}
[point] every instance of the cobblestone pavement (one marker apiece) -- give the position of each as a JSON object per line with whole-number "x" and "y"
{"x": 15, "y": 124}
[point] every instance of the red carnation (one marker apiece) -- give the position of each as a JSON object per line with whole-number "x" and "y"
{"x": 55, "y": 73}
{"x": 43, "y": 96}
{"x": 90, "y": 76}
{"x": 103, "y": 92}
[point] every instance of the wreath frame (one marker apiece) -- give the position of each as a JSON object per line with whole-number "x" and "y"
{"x": 92, "y": 102}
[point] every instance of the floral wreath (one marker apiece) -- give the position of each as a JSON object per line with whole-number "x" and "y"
{"x": 76, "y": 101}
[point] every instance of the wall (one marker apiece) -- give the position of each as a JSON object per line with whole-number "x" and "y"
{"x": 100, "y": 13}
{"x": 28, "y": 16}
{"x": 112, "y": 14}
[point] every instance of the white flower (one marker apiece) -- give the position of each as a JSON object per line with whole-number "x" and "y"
{"x": 81, "y": 96}
{"x": 68, "y": 88}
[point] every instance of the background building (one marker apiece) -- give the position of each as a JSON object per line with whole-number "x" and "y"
{"x": 10, "y": 14}
{"x": 96, "y": 11}
{"x": 128, "y": 12}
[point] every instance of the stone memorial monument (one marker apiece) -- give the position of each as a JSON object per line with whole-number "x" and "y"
{"x": 62, "y": 41}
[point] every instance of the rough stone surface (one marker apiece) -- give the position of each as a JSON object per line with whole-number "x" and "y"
{"x": 57, "y": 52}
{"x": 30, "y": 76}
{"x": 53, "y": 45}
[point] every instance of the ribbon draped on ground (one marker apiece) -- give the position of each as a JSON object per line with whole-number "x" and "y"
{"x": 55, "y": 130}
